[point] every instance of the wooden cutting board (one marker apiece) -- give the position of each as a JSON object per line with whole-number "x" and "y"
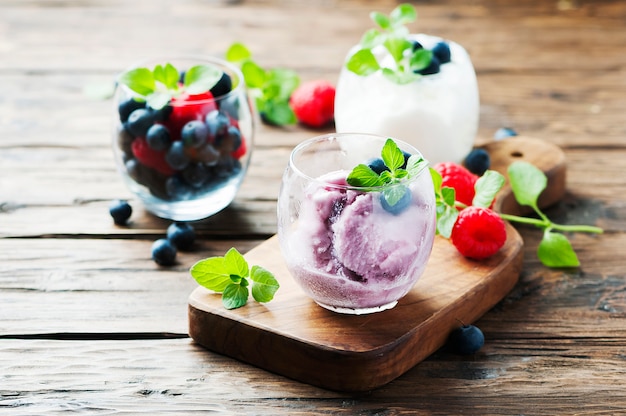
{"x": 295, "y": 337}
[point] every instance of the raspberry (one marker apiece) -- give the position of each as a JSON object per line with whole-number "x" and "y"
{"x": 478, "y": 233}
{"x": 457, "y": 177}
{"x": 313, "y": 103}
{"x": 186, "y": 108}
{"x": 154, "y": 159}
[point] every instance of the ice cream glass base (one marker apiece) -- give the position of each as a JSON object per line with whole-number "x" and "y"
{"x": 342, "y": 245}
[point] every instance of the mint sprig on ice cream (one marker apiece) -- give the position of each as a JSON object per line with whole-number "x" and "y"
{"x": 404, "y": 60}
{"x": 387, "y": 175}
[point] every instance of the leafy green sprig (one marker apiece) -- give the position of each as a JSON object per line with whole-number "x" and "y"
{"x": 270, "y": 88}
{"x": 229, "y": 276}
{"x": 365, "y": 177}
{"x": 392, "y": 34}
{"x": 527, "y": 183}
{"x": 159, "y": 85}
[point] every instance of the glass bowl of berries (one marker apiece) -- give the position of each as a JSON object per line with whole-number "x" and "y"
{"x": 183, "y": 131}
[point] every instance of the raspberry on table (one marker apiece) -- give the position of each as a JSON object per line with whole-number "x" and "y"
{"x": 458, "y": 177}
{"x": 313, "y": 103}
{"x": 478, "y": 232}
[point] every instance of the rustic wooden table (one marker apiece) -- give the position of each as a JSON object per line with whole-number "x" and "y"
{"x": 89, "y": 323}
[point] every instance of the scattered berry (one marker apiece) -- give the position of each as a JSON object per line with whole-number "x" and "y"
{"x": 477, "y": 161}
{"x": 121, "y": 211}
{"x": 478, "y": 233}
{"x": 466, "y": 339}
{"x": 442, "y": 51}
{"x": 504, "y": 132}
{"x": 181, "y": 235}
{"x": 457, "y": 177}
{"x": 163, "y": 252}
{"x": 313, "y": 103}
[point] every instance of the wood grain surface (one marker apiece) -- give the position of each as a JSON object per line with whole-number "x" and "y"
{"x": 89, "y": 323}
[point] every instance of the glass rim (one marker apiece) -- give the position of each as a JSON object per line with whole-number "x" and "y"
{"x": 151, "y": 62}
{"x": 325, "y": 137}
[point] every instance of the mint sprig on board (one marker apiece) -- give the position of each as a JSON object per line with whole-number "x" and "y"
{"x": 363, "y": 176}
{"x": 157, "y": 86}
{"x": 392, "y": 34}
{"x": 527, "y": 183}
{"x": 229, "y": 276}
{"x": 270, "y": 88}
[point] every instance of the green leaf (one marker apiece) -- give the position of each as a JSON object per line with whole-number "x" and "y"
{"x": 264, "y": 284}
{"x": 235, "y": 296}
{"x": 448, "y": 195}
{"x": 381, "y": 20}
{"x": 237, "y": 52}
{"x": 527, "y": 182}
{"x": 253, "y": 74}
{"x": 139, "y": 80}
{"x": 363, "y": 176}
{"x": 363, "y": 63}
{"x": 394, "y": 193}
{"x": 396, "y": 47}
{"x": 403, "y": 14}
{"x": 392, "y": 155}
{"x": 170, "y": 76}
{"x": 372, "y": 38}
{"x": 487, "y": 186}
{"x": 279, "y": 113}
{"x": 420, "y": 59}
{"x": 283, "y": 83}
{"x": 437, "y": 180}
{"x": 415, "y": 165}
{"x": 201, "y": 78}
{"x": 555, "y": 250}
{"x": 235, "y": 263}
{"x": 446, "y": 218}
{"x": 158, "y": 100}
{"x": 211, "y": 273}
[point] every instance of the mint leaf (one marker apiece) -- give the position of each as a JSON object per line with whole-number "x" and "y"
{"x": 139, "y": 80}
{"x": 446, "y": 217}
{"x": 235, "y": 263}
{"x": 448, "y": 195}
{"x": 264, "y": 284}
{"x": 381, "y": 20}
{"x": 235, "y": 296}
{"x": 415, "y": 165}
{"x": 278, "y": 112}
{"x": 201, "y": 78}
{"x": 363, "y": 176}
{"x": 363, "y": 62}
{"x": 159, "y": 99}
{"x": 283, "y": 82}
{"x": 211, "y": 273}
{"x": 166, "y": 75}
{"x": 420, "y": 59}
{"x": 394, "y": 194}
{"x": 487, "y": 187}
{"x": 237, "y": 52}
{"x": 403, "y": 14}
{"x": 396, "y": 47}
{"x": 555, "y": 250}
{"x": 527, "y": 182}
{"x": 392, "y": 155}
{"x": 372, "y": 38}
{"x": 253, "y": 74}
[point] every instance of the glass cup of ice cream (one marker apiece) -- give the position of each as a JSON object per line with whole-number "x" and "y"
{"x": 356, "y": 249}
{"x": 418, "y": 88}
{"x": 182, "y": 135}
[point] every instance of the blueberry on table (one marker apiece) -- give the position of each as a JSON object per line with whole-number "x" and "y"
{"x": 442, "y": 51}
{"x": 504, "y": 132}
{"x": 139, "y": 121}
{"x": 194, "y": 133}
{"x": 477, "y": 161}
{"x": 163, "y": 252}
{"x": 466, "y": 339}
{"x": 121, "y": 211}
{"x": 128, "y": 106}
{"x": 158, "y": 137}
{"x": 181, "y": 235}
{"x": 223, "y": 86}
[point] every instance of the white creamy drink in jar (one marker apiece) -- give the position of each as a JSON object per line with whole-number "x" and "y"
{"x": 437, "y": 113}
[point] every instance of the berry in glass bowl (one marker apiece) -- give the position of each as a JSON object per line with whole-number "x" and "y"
{"x": 183, "y": 131}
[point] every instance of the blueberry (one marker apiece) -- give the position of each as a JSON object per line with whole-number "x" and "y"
{"x": 223, "y": 86}
{"x": 504, "y": 132}
{"x": 158, "y": 137}
{"x": 377, "y": 165}
{"x": 163, "y": 252}
{"x": 416, "y": 46}
{"x": 466, "y": 339}
{"x": 176, "y": 156}
{"x": 217, "y": 123}
{"x": 207, "y": 154}
{"x": 177, "y": 189}
{"x": 231, "y": 140}
{"x": 139, "y": 121}
{"x": 230, "y": 106}
{"x": 477, "y": 161}
{"x": 162, "y": 114}
{"x": 121, "y": 211}
{"x": 128, "y": 106}
{"x": 181, "y": 77}
{"x": 125, "y": 140}
{"x": 442, "y": 51}
{"x": 196, "y": 174}
{"x": 181, "y": 235}
{"x": 194, "y": 133}
{"x": 401, "y": 204}
{"x": 432, "y": 68}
